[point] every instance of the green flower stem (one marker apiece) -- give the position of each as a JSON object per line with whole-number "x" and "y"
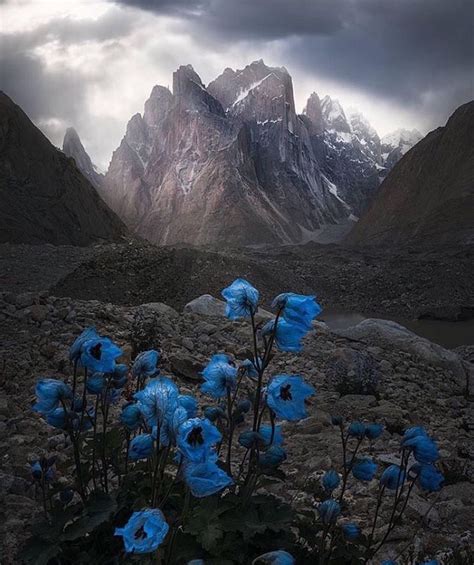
{"x": 76, "y": 451}
{"x": 376, "y": 515}
{"x": 178, "y": 525}
{"x": 43, "y": 494}
{"x": 399, "y": 489}
{"x": 347, "y": 468}
{"x": 425, "y": 515}
{"x": 322, "y": 546}
{"x": 231, "y": 432}
{"x": 83, "y": 407}
{"x": 105, "y": 414}
{"x": 94, "y": 444}
{"x": 74, "y": 383}
{"x": 393, "y": 521}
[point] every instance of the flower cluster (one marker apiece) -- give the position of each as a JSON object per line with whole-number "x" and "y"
{"x": 226, "y": 448}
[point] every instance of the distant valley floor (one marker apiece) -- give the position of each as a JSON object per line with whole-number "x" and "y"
{"x": 431, "y": 283}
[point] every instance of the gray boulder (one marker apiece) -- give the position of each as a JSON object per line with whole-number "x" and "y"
{"x": 207, "y": 305}
{"x": 390, "y": 335}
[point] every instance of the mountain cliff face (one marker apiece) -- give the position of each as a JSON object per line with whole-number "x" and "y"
{"x": 429, "y": 194}
{"x": 231, "y": 163}
{"x": 72, "y": 147}
{"x": 43, "y": 195}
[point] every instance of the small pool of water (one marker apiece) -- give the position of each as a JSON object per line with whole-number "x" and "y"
{"x": 447, "y": 334}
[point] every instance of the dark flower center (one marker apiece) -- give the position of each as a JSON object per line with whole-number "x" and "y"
{"x": 195, "y": 436}
{"x": 96, "y": 351}
{"x": 285, "y": 393}
{"x": 140, "y": 533}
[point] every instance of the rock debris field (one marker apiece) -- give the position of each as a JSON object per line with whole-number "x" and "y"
{"x": 405, "y": 381}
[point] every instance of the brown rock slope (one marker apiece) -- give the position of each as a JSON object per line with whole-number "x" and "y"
{"x": 429, "y": 194}
{"x": 43, "y": 195}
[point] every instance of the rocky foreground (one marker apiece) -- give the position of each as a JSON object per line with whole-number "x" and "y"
{"x": 403, "y": 380}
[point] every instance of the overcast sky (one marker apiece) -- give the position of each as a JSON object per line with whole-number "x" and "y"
{"x": 92, "y": 64}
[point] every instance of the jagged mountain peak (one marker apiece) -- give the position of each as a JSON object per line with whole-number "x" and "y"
{"x": 233, "y": 86}
{"x": 313, "y": 111}
{"x": 334, "y": 115}
{"x": 191, "y": 93}
{"x": 73, "y": 147}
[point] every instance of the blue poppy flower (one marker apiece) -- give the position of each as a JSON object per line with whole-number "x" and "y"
{"x": 250, "y": 439}
{"x": 329, "y": 510}
{"x": 392, "y": 477}
{"x": 99, "y": 354}
{"x": 49, "y": 393}
{"x": 287, "y": 336}
{"x": 242, "y": 299}
{"x": 243, "y": 406}
{"x": 196, "y": 438}
{"x": 189, "y": 403}
{"x": 141, "y": 447}
{"x": 76, "y": 347}
{"x": 251, "y": 367}
{"x": 330, "y": 480}
{"x": 278, "y": 557}
{"x": 95, "y": 383}
{"x": 424, "y": 448}
{"x": 336, "y": 420}
{"x": 36, "y": 470}
{"x": 364, "y": 469}
{"x": 57, "y": 418}
{"x": 205, "y": 478}
{"x": 158, "y": 401}
{"x": 388, "y": 562}
{"x": 213, "y": 413}
{"x": 131, "y": 416}
{"x": 45, "y": 468}
{"x": 414, "y": 432}
{"x": 266, "y": 433}
{"x": 373, "y": 431}
{"x": 297, "y": 308}
{"x": 356, "y": 429}
{"x": 119, "y": 376}
{"x": 272, "y": 457}
{"x": 351, "y": 531}
{"x": 286, "y": 395}
{"x": 219, "y": 375}
{"x": 145, "y": 364}
{"x": 429, "y": 478}
{"x": 144, "y": 532}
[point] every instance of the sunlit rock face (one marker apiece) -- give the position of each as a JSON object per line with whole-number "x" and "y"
{"x": 233, "y": 163}
{"x": 228, "y": 164}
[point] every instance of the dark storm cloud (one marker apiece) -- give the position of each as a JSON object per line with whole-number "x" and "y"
{"x": 418, "y": 53}
{"x": 58, "y": 93}
{"x": 255, "y": 19}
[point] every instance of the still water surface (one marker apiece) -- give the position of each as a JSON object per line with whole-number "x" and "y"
{"x": 447, "y": 334}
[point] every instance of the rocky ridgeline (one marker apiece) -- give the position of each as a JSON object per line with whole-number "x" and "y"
{"x": 376, "y": 371}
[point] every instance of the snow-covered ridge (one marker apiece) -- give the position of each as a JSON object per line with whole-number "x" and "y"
{"x": 401, "y": 137}
{"x": 246, "y": 91}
